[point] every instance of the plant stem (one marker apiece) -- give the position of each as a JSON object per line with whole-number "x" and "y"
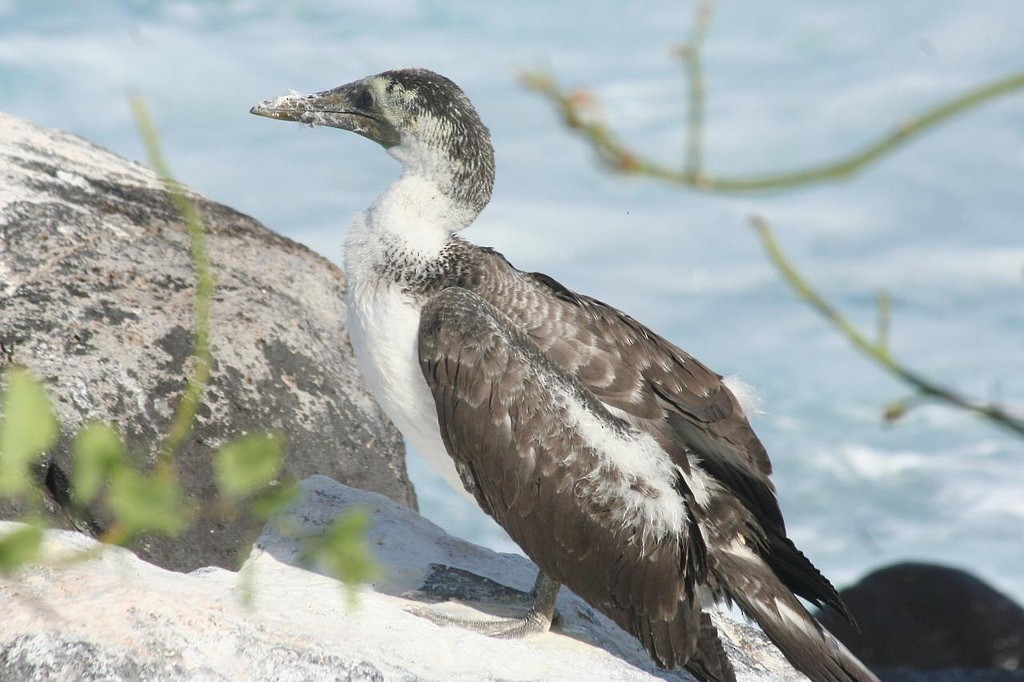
{"x": 184, "y": 416}
{"x": 695, "y": 92}
{"x": 622, "y": 159}
{"x": 879, "y": 351}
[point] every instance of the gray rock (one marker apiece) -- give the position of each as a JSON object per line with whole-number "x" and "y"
{"x": 114, "y": 617}
{"x": 96, "y": 295}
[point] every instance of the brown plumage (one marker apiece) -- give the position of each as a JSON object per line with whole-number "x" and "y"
{"x": 493, "y": 375}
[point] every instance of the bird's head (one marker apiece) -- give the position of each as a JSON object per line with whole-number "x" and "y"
{"x": 422, "y": 118}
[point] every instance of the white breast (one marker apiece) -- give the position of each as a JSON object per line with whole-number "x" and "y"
{"x": 383, "y": 328}
{"x": 383, "y": 321}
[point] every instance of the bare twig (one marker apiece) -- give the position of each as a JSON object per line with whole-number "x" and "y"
{"x": 620, "y": 158}
{"x": 878, "y": 351}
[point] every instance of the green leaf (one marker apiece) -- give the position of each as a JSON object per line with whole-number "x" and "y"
{"x": 248, "y": 464}
{"x": 274, "y": 500}
{"x": 99, "y": 452}
{"x": 147, "y": 503}
{"x": 19, "y": 547}
{"x": 343, "y": 549}
{"x": 27, "y": 429}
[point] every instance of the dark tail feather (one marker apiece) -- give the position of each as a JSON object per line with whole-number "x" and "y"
{"x": 671, "y": 643}
{"x": 809, "y": 647}
{"x": 797, "y": 571}
{"x": 709, "y": 661}
{"x": 690, "y": 640}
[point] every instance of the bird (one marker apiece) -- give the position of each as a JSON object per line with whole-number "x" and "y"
{"x": 625, "y": 468}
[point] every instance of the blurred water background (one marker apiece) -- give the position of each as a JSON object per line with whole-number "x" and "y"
{"x": 940, "y": 224}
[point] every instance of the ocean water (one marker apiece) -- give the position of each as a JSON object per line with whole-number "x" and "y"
{"x": 939, "y": 225}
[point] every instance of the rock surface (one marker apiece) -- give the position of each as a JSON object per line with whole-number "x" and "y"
{"x": 96, "y": 295}
{"x": 117, "y": 618}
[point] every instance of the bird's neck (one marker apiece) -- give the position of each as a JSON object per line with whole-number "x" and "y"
{"x": 405, "y": 228}
{"x": 461, "y": 168}
{"x": 419, "y": 212}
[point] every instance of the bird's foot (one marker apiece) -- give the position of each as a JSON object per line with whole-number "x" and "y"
{"x": 452, "y": 583}
{"x": 533, "y": 623}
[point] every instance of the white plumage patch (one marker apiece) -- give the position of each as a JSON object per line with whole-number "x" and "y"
{"x": 739, "y": 549}
{"x": 413, "y": 215}
{"x": 633, "y": 473}
{"x": 748, "y": 398}
{"x": 796, "y": 620}
{"x": 699, "y": 483}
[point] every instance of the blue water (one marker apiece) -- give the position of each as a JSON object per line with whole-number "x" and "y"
{"x": 940, "y": 225}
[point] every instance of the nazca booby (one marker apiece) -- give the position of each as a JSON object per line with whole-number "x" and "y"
{"x": 624, "y": 467}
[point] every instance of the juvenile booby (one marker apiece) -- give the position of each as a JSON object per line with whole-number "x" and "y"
{"x": 622, "y": 466}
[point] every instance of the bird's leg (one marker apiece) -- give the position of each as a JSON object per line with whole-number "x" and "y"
{"x": 536, "y": 621}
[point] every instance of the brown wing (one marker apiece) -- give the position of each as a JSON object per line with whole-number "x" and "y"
{"x": 661, "y": 389}
{"x": 504, "y": 415}
{"x": 675, "y": 395}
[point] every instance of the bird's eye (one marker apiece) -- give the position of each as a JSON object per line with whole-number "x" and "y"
{"x": 365, "y": 100}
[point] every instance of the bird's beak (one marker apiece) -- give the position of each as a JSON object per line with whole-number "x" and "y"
{"x": 335, "y": 108}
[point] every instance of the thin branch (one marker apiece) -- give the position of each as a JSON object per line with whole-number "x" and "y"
{"x": 878, "y": 351}
{"x": 884, "y": 305}
{"x": 621, "y": 158}
{"x": 185, "y": 414}
{"x": 691, "y": 54}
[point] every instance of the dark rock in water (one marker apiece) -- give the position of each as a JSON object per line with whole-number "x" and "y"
{"x": 96, "y": 296}
{"x": 923, "y": 616}
{"x": 950, "y": 675}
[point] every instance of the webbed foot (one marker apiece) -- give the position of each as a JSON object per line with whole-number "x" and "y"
{"x": 456, "y": 583}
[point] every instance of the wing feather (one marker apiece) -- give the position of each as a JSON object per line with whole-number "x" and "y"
{"x": 522, "y": 454}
